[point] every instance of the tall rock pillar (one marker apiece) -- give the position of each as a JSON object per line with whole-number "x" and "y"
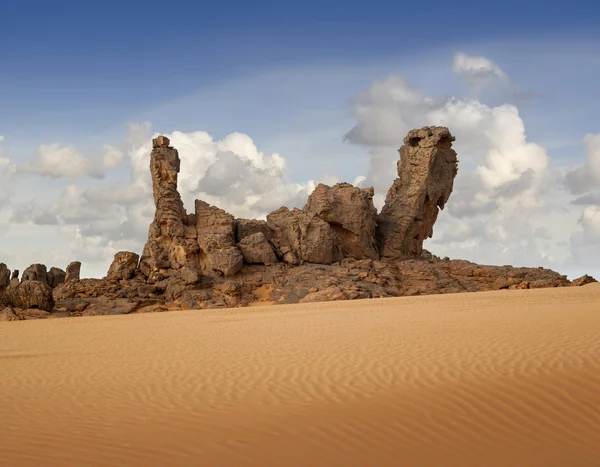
{"x": 172, "y": 239}
{"x": 426, "y": 172}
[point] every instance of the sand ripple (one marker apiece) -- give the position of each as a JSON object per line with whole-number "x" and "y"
{"x": 509, "y": 378}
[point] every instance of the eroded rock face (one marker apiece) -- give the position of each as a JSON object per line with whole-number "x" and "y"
{"x": 73, "y": 271}
{"x": 332, "y": 244}
{"x": 123, "y": 266}
{"x": 35, "y": 272}
{"x": 350, "y": 213}
{"x": 4, "y": 276}
{"x": 171, "y": 243}
{"x": 256, "y": 249}
{"x": 29, "y": 294}
{"x": 426, "y": 172}
{"x": 304, "y": 237}
{"x": 216, "y": 240}
{"x": 56, "y": 276}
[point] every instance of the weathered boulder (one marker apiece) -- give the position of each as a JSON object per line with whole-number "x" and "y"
{"x": 303, "y": 236}
{"x": 350, "y": 212}
{"x": 73, "y": 271}
{"x": 35, "y": 272}
{"x": 583, "y": 280}
{"x": 56, "y": 276}
{"x": 171, "y": 242}
{"x": 426, "y": 172}
{"x": 256, "y": 249}
{"x": 29, "y": 294}
{"x": 123, "y": 266}
{"x": 216, "y": 240}
{"x": 15, "y": 274}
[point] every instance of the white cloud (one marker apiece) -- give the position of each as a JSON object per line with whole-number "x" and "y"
{"x": 586, "y": 177}
{"x": 477, "y": 70}
{"x": 56, "y": 161}
{"x": 112, "y": 157}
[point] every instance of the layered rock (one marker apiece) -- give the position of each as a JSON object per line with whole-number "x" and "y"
{"x": 172, "y": 241}
{"x": 426, "y": 172}
{"x": 351, "y": 215}
{"x": 216, "y": 240}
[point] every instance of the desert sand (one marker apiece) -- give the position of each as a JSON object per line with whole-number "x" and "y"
{"x": 508, "y": 378}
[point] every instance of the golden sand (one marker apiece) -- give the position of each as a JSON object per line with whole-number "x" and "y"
{"x": 508, "y": 378}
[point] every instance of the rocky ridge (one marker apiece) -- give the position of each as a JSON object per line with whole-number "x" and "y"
{"x": 337, "y": 247}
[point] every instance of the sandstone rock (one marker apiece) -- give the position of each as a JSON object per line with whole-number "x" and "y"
{"x": 15, "y": 274}
{"x": 123, "y": 266}
{"x": 190, "y": 275}
{"x": 35, "y": 272}
{"x": 56, "y": 276}
{"x": 73, "y": 271}
{"x": 246, "y": 227}
{"x": 169, "y": 245}
{"x": 304, "y": 236}
{"x": 216, "y": 239}
{"x": 350, "y": 213}
{"x": 256, "y": 248}
{"x": 4, "y": 276}
{"x": 29, "y": 294}
{"x": 325, "y": 295}
{"x": 8, "y": 314}
{"x": 583, "y": 280}
{"x": 426, "y": 172}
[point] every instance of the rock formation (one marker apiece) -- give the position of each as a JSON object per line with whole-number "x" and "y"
{"x": 123, "y": 266}
{"x": 216, "y": 240}
{"x": 4, "y": 276}
{"x": 35, "y": 272}
{"x": 29, "y": 294}
{"x": 172, "y": 239}
{"x": 335, "y": 248}
{"x": 426, "y": 172}
{"x": 56, "y": 276}
{"x": 350, "y": 213}
{"x": 73, "y": 271}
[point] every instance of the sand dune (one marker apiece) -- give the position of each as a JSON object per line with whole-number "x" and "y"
{"x": 509, "y": 378}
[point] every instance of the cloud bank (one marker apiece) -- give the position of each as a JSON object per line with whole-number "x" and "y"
{"x": 510, "y": 205}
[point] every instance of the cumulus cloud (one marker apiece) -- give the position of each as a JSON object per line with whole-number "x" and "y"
{"x": 230, "y": 172}
{"x": 502, "y": 176}
{"x": 477, "y": 70}
{"x": 56, "y": 161}
{"x": 586, "y": 177}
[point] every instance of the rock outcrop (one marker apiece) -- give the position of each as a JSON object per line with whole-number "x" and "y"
{"x": 172, "y": 241}
{"x": 73, "y": 271}
{"x": 216, "y": 240}
{"x": 56, "y": 276}
{"x": 35, "y": 272}
{"x": 304, "y": 237}
{"x": 4, "y": 277}
{"x": 350, "y": 213}
{"x": 123, "y": 266}
{"x": 29, "y": 294}
{"x": 426, "y": 172}
{"x": 335, "y": 248}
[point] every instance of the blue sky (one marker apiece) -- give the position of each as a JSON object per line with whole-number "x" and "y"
{"x": 75, "y": 74}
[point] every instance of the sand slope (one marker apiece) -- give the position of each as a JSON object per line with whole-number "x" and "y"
{"x": 509, "y": 378}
